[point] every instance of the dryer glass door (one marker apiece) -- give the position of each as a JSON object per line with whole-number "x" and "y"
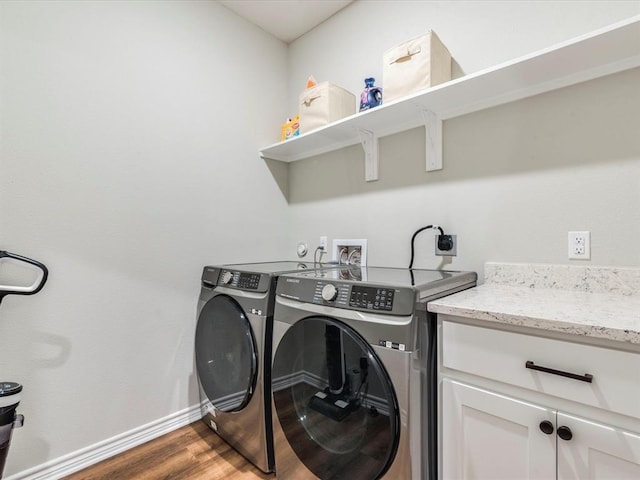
{"x": 226, "y": 354}
{"x": 335, "y": 401}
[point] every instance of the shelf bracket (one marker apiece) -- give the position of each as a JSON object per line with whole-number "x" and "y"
{"x": 370, "y": 146}
{"x": 433, "y": 136}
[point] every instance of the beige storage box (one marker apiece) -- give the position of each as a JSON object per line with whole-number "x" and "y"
{"x": 323, "y": 104}
{"x": 415, "y": 65}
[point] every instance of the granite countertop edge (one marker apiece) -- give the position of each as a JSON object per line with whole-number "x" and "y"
{"x": 608, "y": 316}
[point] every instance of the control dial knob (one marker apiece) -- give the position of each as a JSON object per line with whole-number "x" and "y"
{"x": 329, "y": 292}
{"x": 227, "y": 277}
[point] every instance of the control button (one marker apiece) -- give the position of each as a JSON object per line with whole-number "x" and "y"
{"x": 249, "y": 281}
{"x": 227, "y": 277}
{"x": 329, "y": 292}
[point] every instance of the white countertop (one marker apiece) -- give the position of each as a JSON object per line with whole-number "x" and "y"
{"x": 596, "y": 314}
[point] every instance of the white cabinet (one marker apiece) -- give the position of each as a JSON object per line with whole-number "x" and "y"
{"x": 502, "y": 420}
{"x": 597, "y": 451}
{"x": 491, "y": 436}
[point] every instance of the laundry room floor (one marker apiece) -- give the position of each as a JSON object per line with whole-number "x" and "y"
{"x": 193, "y": 452}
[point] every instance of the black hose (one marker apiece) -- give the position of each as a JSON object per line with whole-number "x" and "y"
{"x": 414, "y": 237}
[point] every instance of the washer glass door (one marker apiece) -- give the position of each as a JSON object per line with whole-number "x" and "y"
{"x": 335, "y": 401}
{"x": 226, "y": 354}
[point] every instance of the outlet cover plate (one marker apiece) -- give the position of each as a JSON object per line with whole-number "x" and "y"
{"x": 579, "y": 247}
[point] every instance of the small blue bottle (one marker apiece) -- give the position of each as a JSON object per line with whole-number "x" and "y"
{"x": 371, "y": 95}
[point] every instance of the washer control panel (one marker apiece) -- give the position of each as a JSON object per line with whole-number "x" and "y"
{"x": 371, "y": 298}
{"x": 379, "y": 299}
{"x": 241, "y": 280}
{"x": 330, "y": 293}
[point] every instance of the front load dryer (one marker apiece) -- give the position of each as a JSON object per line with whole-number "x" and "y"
{"x": 233, "y": 354}
{"x": 354, "y": 373}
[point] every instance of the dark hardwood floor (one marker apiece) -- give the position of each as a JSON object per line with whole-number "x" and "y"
{"x": 193, "y": 452}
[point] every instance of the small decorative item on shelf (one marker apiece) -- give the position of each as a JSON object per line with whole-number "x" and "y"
{"x": 371, "y": 96}
{"x": 290, "y": 128}
{"x": 311, "y": 82}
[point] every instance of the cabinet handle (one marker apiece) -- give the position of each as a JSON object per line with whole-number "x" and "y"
{"x": 583, "y": 378}
{"x": 565, "y": 433}
{"x": 547, "y": 427}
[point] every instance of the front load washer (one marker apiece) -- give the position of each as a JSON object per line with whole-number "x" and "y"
{"x": 354, "y": 373}
{"x": 233, "y": 354}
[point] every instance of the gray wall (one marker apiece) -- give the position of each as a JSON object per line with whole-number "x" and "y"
{"x": 128, "y": 161}
{"x": 516, "y": 178}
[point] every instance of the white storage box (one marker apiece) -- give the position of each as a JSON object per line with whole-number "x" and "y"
{"x": 323, "y": 104}
{"x": 414, "y": 65}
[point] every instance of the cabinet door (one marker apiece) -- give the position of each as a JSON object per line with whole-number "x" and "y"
{"x": 491, "y": 436}
{"x": 596, "y": 451}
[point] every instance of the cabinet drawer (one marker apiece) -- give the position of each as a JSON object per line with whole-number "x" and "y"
{"x": 502, "y": 356}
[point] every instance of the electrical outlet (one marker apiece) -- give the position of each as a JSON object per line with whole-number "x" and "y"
{"x": 323, "y": 243}
{"x": 449, "y": 240}
{"x": 579, "y": 245}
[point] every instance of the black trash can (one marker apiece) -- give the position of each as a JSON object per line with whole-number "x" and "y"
{"x": 9, "y": 419}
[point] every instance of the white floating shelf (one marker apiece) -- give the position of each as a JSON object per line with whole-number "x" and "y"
{"x": 609, "y": 50}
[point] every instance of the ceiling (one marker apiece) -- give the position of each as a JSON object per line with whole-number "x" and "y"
{"x": 286, "y": 19}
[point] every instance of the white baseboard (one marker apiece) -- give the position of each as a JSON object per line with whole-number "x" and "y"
{"x": 80, "y": 459}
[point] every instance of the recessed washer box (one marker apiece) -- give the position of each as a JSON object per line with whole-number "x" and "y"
{"x": 350, "y": 251}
